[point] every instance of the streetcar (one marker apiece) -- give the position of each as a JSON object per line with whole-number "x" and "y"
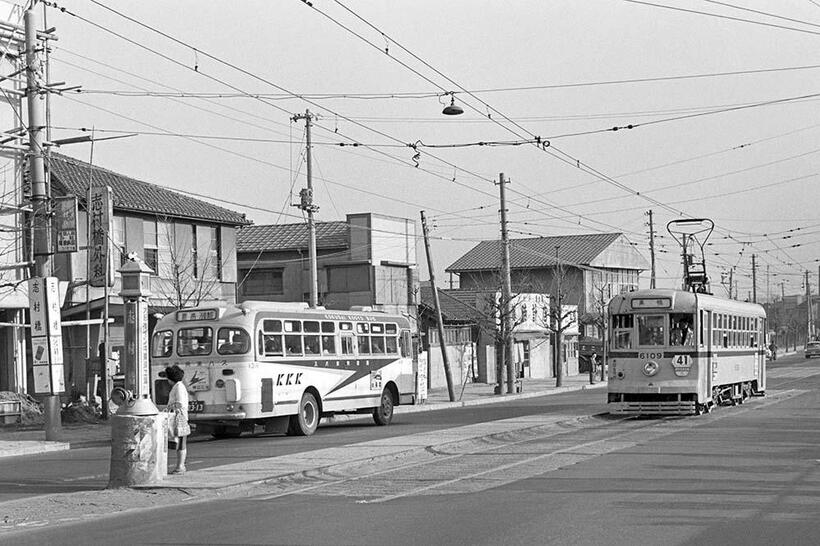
{"x": 283, "y": 366}
{"x": 680, "y": 352}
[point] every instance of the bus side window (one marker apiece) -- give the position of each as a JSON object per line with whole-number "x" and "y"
{"x": 328, "y": 345}
{"x": 271, "y": 344}
{"x": 392, "y": 345}
{"x": 347, "y": 345}
{"x": 293, "y": 344}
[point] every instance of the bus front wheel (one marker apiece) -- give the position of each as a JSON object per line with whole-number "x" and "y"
{"x": 306, "y": 421}
{"x": 383, "y": 414}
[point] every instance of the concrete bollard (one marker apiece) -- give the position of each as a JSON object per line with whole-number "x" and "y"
{"x": 139, "y": 450}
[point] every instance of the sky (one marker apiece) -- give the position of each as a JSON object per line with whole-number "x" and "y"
{"x": 721, "y": 98}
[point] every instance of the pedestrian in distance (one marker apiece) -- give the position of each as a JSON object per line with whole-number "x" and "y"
{"x": 178, "y": 427}
{"x": 593, "y": 367}
{"x": 773, "y": 349}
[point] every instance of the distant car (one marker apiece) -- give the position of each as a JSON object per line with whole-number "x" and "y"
{"x": 768, "y": 353}
{"x": 812, "y": 349}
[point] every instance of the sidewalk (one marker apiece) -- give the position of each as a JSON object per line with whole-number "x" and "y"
{"x": 16, "y": 441}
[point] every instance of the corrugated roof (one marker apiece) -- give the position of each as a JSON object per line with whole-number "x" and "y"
{"x": 535, "y": 252}
{"x": 73, "y": 177}
{"x": 277, "y": 237}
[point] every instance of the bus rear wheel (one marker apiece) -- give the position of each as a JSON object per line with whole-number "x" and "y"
{"x": 306, "y": 421}
{"x": 383, "y": 414}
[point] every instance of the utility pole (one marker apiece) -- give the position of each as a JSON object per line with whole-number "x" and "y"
{"x": 651, "y": 248}
{"x": 768, "y": 286}
{"x": 809, "y": 314}
{"x": 40, "y": 218}
{"x": 559, "y": 324}
{"x": 306, "y": 204}
{"x": 754, "y": 278}
{"x": 506, "y": 294}
{"x": 447, "y": 374}
{"x": 731, "y": 282}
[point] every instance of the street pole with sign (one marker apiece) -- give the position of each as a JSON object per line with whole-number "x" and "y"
{"x": 139, "y": 443}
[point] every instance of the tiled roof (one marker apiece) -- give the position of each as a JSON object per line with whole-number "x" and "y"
{"x": 73, "y": 177}
{"x": 457, "y": 305}
{"x": 275, "y": 237}
{"x": 535, "y": 252}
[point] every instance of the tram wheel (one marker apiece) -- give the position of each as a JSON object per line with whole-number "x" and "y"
{"x": 383, "y": 414}
{"x": 306, "y": 421}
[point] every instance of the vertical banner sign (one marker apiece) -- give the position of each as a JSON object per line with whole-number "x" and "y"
{"x": 100, "y": 225}
{"x": 65, "y": 224}
{"x": 46, "y": 335}
{"x": 137, "y": 366}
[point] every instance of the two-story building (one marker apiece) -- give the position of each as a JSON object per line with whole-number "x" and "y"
{"x": 190, "y": 245}
{"x": 588, "y": 268}
{"x": 367, "y": 260}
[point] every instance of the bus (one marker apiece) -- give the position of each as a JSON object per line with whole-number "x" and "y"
{"x": 679, "y": 352}
{"x": 283, "y": 366}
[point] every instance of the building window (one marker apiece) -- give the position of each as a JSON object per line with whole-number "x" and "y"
{"x": 149, "y": 234}
{"x": 209, "y": 262}
{"x": 166, "y": 257}
{"x": 120, "y": 254}
{"x": 261, "y": 282}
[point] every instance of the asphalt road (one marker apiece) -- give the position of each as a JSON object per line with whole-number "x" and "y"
{"x": 87, "y": 468}
{"x": 741, "y": 475}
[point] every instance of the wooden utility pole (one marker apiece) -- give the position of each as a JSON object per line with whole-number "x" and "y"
{"x": 306, "y": 204}
{"x": 754, "y": 278}
{"x": 506, "y": 294}
{"x": 40, "y": 216}
{"x": 809, "y": 314}
{"x": 559, "y": 324}
{"x": 651, "y": 248}
{"x": 447, "y": 374}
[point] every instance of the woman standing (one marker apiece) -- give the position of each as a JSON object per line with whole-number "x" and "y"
{"x": 178, "y": 427}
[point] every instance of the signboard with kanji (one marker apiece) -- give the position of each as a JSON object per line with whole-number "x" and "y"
{"x": 136, "y": 358}
{"x": 100, "y": 226}
{"x": 46, "y": 335}
{"x": 65, "y": 224}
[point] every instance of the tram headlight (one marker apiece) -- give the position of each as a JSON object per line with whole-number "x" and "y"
{"x": 650, "y": 368}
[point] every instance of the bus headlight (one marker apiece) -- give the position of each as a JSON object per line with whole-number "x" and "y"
{"x": 650, "y": 368}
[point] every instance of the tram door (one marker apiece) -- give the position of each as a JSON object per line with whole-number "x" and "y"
{"x": 710, "y": 359}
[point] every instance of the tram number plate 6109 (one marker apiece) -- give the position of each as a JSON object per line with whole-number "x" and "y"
{"x": 650, "y": 356}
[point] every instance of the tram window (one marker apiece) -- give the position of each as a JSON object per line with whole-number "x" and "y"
{"x": 271, "y": 344}
{"x": 362, "y": 328}
{"x": 376, "y": 328}
{"x": 293, "y": 343}
{"x": 328, "y": 327}
{"x": 346, "y": 326}
{"x": 272, "y": 326}
{"x": 622, "y": 331}
{"x": 391, "y": 329}
{"x": 194, "y": 341}
{"x": 328, "y": 345}
{"x": 312, "y": 344}
{"x": 377, "y": 345}
{"x": 752, "y": 340}
{"x": 364, "y": 345}
{"x": 293, "y": 326}
{"x": 163, "y": 344}
{"x": 232, "y": 341}
{"x": 680, "y": 329}
{"x": 348, "y": 344}
{"x": 725, "y": 340}
{"x": 702, "y": 329}
{"x": 392, "y": 345}
{"x": 311, "y": 326}
{"x": 650, "y": 330}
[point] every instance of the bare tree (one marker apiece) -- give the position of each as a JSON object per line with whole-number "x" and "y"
{"x": 187, "y": 278}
